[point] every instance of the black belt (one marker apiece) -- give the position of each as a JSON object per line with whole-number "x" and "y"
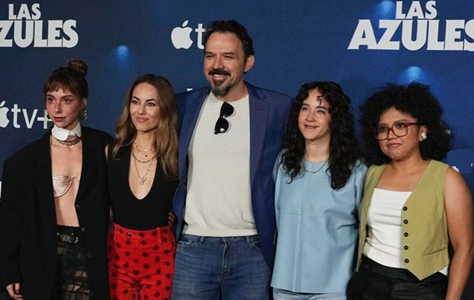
{"x": 68, "y": 234}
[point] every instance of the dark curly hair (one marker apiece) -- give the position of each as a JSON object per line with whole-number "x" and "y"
{"x": 232, "y": 26}
{"x": 416, "y": 100}
{"x": 343, "y": 146}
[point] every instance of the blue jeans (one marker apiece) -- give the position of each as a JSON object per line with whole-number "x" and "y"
{"x": 279, "y": 294}
{"x": 224, "y": 268}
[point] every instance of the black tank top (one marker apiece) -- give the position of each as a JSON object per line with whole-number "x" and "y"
{"x": 129, "y": 212}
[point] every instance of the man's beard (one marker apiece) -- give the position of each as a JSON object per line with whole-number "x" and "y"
{"x": 221, "y": 91}
{"x": 218, "y": 90}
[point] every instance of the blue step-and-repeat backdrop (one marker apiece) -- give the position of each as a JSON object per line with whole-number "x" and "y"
{"x": 360, "y": 44}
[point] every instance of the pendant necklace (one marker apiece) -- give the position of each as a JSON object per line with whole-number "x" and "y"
{"x": 314, "y": 172}
{"x": 143, "y": 178}
{"x": 141, "y": 161}
{"x": 143, "y": 150}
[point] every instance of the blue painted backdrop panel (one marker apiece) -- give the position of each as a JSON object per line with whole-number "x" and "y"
{"x": 295, "y": 42}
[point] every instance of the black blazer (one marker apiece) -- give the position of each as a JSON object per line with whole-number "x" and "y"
{"x": 28, "y": 243}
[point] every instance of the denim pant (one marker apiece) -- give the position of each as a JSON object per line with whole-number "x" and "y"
{"x": 224, "y": 268}
{"x": 279, "y": 294}
{"x": 375, "y": 282}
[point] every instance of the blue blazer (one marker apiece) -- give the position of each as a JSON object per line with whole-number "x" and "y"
{"x": 268, "y": 113}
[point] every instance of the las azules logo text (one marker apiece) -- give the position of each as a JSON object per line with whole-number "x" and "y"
{"x": 419, "y": 28}
{"x": 25, "y": 28}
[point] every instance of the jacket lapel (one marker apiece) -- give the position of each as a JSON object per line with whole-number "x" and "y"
{"x": 42, "y": 176}
{"x": 258, "y": 127}
{"x": 89, "y": 166}
{"x": 187, "y": 129}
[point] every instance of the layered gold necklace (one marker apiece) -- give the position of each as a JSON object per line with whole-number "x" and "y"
{"x": 141, "y": 150}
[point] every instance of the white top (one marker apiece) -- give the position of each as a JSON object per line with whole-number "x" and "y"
{"x": 218, "y": 199}
{"x": 384, "y": 242}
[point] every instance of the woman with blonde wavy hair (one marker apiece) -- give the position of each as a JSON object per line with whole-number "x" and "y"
{"x": 143, "y": 170}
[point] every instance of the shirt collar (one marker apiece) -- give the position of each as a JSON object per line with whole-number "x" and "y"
{"x": 62, "y": 134}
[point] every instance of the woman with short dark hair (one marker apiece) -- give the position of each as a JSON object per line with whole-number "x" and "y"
{"x": 54, "y": 212}
{"x": 414, "y": 205}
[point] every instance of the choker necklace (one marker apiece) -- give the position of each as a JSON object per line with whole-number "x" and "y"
{"x": 141, "y": 161}
{"x": 62, "y": 134}
{"x": 143, "y": 178}
{"x": 143, "y": 149}
{"x": 314, "y": 172}
{"x": 72, "y": 142}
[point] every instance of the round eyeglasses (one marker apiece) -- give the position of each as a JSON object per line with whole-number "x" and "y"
{"x": 399, "y": 129}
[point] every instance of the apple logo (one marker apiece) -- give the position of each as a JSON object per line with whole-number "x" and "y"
{"x": 3, "y": 115}
{"x": 180, "y": 36}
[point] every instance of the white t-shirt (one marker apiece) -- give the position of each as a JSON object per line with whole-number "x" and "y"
{"x": 218, "y": 199}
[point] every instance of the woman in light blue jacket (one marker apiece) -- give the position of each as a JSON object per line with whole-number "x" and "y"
{"x": 319, "y": 181}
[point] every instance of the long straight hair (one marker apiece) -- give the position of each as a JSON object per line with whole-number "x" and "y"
{"x": 166, "y": 134}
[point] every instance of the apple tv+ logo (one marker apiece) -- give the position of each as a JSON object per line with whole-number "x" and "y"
{"x": 29, "y": 117}
{"x": 181, "y": 36}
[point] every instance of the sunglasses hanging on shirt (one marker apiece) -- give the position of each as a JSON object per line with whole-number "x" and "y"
{"x": 222, "y": 125}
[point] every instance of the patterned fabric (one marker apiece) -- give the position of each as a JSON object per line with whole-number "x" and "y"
{"x": 72, "y": 282}
{"x": 141, "y": 263}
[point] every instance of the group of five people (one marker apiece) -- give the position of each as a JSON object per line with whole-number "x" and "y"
{"x": 265, "y": 191}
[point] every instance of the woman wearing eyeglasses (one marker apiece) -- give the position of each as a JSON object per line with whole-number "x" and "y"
{"x": 143, "y": 171}
{"x": 319, "y": 182}
{"x": 413, "y": 204}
